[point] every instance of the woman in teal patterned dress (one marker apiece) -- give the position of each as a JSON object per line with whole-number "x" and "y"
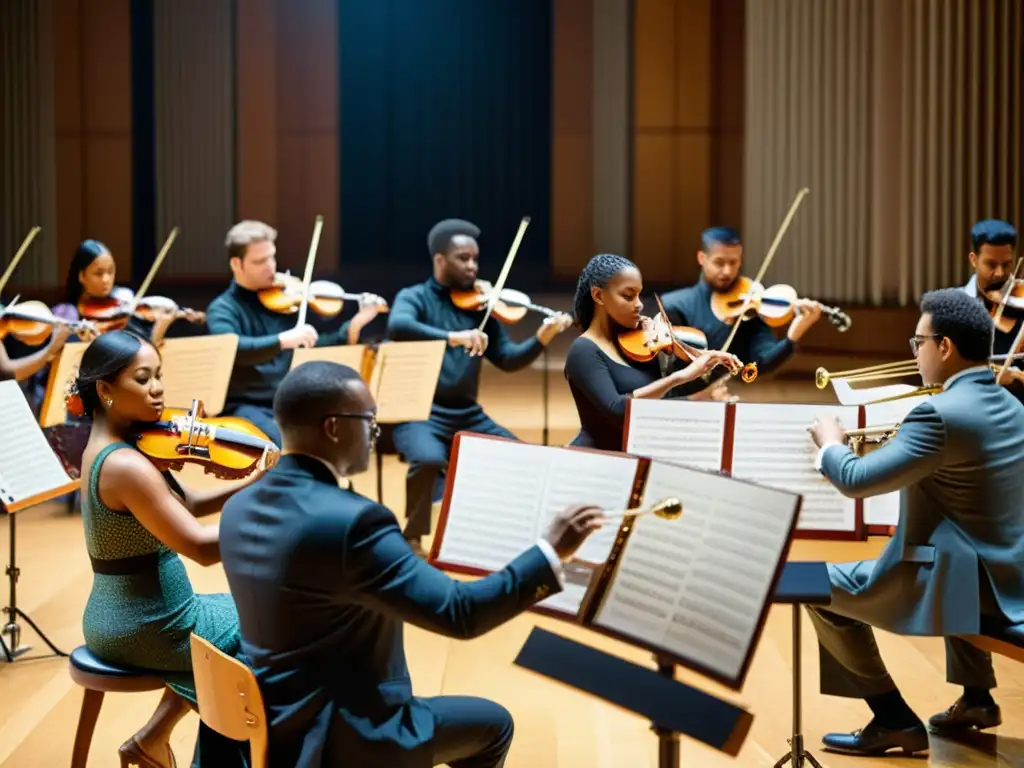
{"x": 138, "y": 524}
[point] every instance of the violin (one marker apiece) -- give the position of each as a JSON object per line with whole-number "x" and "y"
{"x": 658, "y": 335}
{"x": 227, "y": 447}
{"x": 775, "y": 305}
{"x": 1012, "y": 292}
{"x": 111, "y": 314}
{"x": 32, "y": 322}
{"x": 510, "y": 308}
{"x": 325, "y": 298}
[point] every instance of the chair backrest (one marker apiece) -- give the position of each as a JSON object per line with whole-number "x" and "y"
{"x": 229, "y": 698}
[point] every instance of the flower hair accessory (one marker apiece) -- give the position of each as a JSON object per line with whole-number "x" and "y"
{"x": 73, "y": 399}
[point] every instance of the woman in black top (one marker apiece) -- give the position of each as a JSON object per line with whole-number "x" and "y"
{"x": 600, "y": 378}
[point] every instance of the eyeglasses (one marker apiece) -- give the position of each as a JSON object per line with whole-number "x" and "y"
{"x": 368, "y": 417}
{"x": 917, "y": 341}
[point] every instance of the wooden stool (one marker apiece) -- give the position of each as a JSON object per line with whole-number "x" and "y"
{"x": 229, "y": 698}
{"x": 98, "y": 677}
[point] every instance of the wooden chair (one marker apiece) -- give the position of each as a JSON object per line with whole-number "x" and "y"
{"x": 229, "y": 698}
{"x": 1006, "y": 641}
{"x": 98, "y": 677}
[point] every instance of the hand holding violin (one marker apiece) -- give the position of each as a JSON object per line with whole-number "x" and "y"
{"x": 807, "y": 312}
{"x": 552, "y": 326}
{"x": 705, "y": 363}
{"x": 473, "y": 340}
{"x": 301, "y": 336}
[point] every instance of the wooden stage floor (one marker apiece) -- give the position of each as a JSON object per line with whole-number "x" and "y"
{"x": 555, "y": 727}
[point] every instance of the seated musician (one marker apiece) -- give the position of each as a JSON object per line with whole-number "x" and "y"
{"x": 721, "y": 263}
{"x": 266, "y": 338}
{"x": 324, "y": 581}
{"x": 601, "y": 379}
{"x": 958, "y": 552}
{"x": 993, "y": 243}
{"x": 426, "y": 311}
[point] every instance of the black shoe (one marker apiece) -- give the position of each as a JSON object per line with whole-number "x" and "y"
{"x": 962, "y": 716}
{"x": 876, "y": 740}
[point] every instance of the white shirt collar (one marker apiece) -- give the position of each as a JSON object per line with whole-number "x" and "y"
{"x": 971, "y": 289}
{"x": 343, "y": 482}
{"x": 964, "y": 372}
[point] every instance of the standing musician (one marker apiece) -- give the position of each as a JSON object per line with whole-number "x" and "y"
{"x": 426, "y": 311}
{"x": 993, "y": 243}
{"x": 601, "y": 379}
{"x": 957, "y": 556}
{"x": 721, "y": 262}
{"x": 324, "y": 582}
{"x": 266, "y": 338}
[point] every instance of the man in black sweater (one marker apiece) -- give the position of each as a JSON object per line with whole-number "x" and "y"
{"x": 426, "y": 311}
{"x": 265, "y": 338}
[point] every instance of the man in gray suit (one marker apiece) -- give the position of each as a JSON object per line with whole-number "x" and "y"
{"x": 958, "y": 551}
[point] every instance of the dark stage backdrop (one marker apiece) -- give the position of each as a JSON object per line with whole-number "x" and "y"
{"x": 445, "y": 112}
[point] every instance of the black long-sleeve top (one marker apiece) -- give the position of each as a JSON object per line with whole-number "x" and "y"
{"x": 601, "y": 387}
{"x": 754, "y": 341}
{"x": 425, "y": 312}
{"x": 260, "y": 363}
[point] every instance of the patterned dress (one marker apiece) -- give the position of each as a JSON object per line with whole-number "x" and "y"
{"x": 142, "y": 609}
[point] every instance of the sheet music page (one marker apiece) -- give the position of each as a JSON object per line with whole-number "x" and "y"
{"x": 771, "y": 446}
{"x": 28, "y": 465}
{"x": 506, "y": 493}
{"x": 847, "y": 395}
{"x": 344, "y": 354}
{"x": 680, "y": 431}
{"x": 697, "y": 586}
{"x": 198, "y": 368}
{"x": 885, "y": 509}
{"x": 62, "y": 371}
{"x": 404, "y": 379}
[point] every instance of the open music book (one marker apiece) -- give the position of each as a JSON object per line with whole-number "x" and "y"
{"x": 352, "y": 355}
{"x": 694, "y": 590}
{"x": 30, "y": 471}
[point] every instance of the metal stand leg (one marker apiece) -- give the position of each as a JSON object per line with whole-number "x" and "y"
{"x": 380, "y": 477}
{"x": 12, "y": 629}
{"x": 797, "y": 754}
{"x": 544, "y": 374}
{"x": 668, "y": 741}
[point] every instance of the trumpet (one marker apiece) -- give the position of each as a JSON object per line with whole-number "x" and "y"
{"x": 897, "y": 370}
{"x": 859, "y": 439}
{"x": 666, "y": 509}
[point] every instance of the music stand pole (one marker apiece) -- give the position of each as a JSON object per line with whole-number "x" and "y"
{"x": 668, "y": 740}
{"x": 12, "y": 629}
{"x": 797, "y": 754}
{"x": 544, "y": 374}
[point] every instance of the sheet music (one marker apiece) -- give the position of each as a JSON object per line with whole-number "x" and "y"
{"x": 771, "y": 446}
{"x": 696, "y": 586}
{"x": 885, "y": 509}
{"x": 847, "y": 395}
{"x": 680, "y": 431}
{"x": 62, "y": 371}
{"x": 345, "y": 354}
{"x": 28, "y": 466}
{"x": 505, "y": 494}
{"x": 198, "y": 368}
{"x": 404, "y": 379}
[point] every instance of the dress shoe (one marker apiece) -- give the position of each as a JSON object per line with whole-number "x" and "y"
{"x": 963, "y": 715}
{"x": 876, "y": 740}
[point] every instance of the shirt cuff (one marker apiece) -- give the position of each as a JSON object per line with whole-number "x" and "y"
{"x": 821, "y": 455}
{"x": 553, "y": 559}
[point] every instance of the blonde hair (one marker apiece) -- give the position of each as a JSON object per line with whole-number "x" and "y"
{"x": 244, "y": 234}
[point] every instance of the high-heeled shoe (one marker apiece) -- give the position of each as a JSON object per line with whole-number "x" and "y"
{"x": 132, "y": 756}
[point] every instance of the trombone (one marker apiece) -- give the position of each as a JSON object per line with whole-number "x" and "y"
{"x": 898, "y": 370}
{"x": 857, "y": 439}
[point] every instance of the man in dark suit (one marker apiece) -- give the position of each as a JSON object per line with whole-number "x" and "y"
{"x": 957, "y": 556}
{"x": 323, "y": 580}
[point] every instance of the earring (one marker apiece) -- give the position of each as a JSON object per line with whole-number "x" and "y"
{"x": 109, "y": 401}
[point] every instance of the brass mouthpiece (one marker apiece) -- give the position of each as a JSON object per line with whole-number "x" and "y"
{"x": 821, "y": 378}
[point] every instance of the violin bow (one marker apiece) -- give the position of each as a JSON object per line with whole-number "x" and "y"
{"x": 496, "y": 292}
{"x": 1010, "y": 357}
{"x": 1007, "y": 290}
{"x": 308, "y": 275}
{"x": 767, "y": 260}
{"x": 17, "y": 256}
{"x": 153, "y": 270}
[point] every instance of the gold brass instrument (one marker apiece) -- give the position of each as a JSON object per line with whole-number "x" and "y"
{"x": 919, "y": 392}
{"x": 862, "y": 441}
{"x": 898, "y": 370}
{"x": 666, "y": 509}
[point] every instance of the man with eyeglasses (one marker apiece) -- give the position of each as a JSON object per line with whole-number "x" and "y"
{"x": 324, "y": 581}
{"x": 957, "y": 556}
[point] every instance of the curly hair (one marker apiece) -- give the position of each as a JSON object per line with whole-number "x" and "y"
{"x": 599, "y": 270}
{"x": 962, "y": 319}
{"x": 103, "y": 360}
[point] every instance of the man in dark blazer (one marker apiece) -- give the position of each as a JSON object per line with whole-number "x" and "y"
{"x": 958, "y": 551}
{"x": 324, "y": 580}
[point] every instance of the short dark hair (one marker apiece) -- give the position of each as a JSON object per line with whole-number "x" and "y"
{"x": 962, "y": 319}
{"x": 992, "y": 232}
{"x": 310, "y": 392}
{"x": 440, "y": 238}
{"x": 103, "y": 360}
{"x": 599, "y": 270}
{"x": 85, "y": 254}
{"x": 713, "y": 236}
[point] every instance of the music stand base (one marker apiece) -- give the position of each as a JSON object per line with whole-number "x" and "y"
{"x": 801, "y": 756}
{"x": 797, "y": 754}
{"x": 12, "y": 629}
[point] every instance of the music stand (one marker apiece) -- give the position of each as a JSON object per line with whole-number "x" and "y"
{"x": 544, "y": 379}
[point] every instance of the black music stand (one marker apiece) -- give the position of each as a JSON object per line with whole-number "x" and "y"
{"x": 673, "y": 707}
{"x": 544, "y": 379}
{"x": 800, "y": 584}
